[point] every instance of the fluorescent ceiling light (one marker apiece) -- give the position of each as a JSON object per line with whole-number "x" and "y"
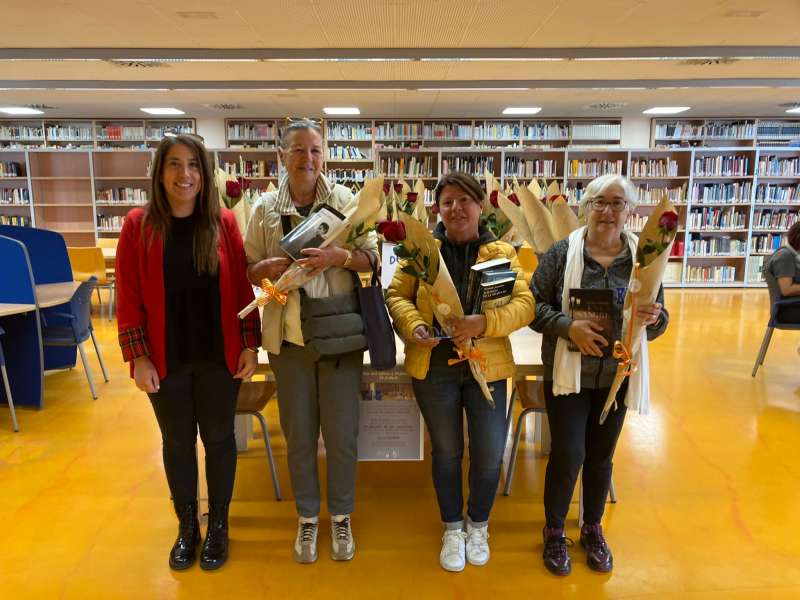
{"x": 522, "y": 110}
{"x": 341, "y": 110}
{"x": 335, "y": 89}
{"x": 20, "y": 110}
{"x": 474, "y": 89}
{"x": 794, "y": 110}
{"x": 332, "y": 59}
{"x": 162, "y": 111}
{"x": 666, "y": 110}
{"x": 491, "y": 58}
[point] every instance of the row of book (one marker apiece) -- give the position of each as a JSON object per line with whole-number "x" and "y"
{"x": 721, "y": 192}
{"x": 156, "y": 132}
{"x": 109, "y": 223}
{"x": 545, "y": 131}
{"x": 120, "y": 132}
{"x": 348, "y": 153}
{"x": 15, "y": 220}
{"x": 677, "y": 248}
{"x": 414, "y": 166}
{"x": 11, "y": 169}
{"x": 648, "y": 194}
{"x": 717, "y": 218}
{"x": 13, "y": 131}
{"x": 497, "y": 131}
{"x": 345, "y": 176}
{"x": 775, "y": 166}
{"x": 122, "y": 195}
{"x": 773, "y": 219}
{"x": 769, "y": 129}
{"x": 778, "y": 193}
{"x": 446, "y": 131}
{"x": 252, "y": 168}
{"x": 711, "y": 274}
{"x": 755, "y": 267}
{"x": 253, "y": 131}
{"x": 69, "y": 132}
{"x": 673, "y": 272}
{"x": 528, "y": 168}
{"x": 14, "y": 196}
{"x": 721, "y": 166}
{"x": 654, "y": 167}
{"x": 594, "y": 167}
{"x": 398, "y": 131}
{"x": 338, "y": 130}
{"x": 718, "y": 245}
{"x": 763, "y": 243}
{"x": 476, "y": 165}
{"x": 713, "y": 129}
{"x": 596, "y": 131}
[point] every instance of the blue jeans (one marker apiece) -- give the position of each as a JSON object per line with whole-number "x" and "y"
{"x": 443, "y": 396}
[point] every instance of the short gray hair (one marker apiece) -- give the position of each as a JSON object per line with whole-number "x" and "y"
{"x": 599, "y": 185}
{"x": 297, "y": 125}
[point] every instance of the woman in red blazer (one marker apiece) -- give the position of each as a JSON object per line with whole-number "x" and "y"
{"x": 181, "y": 280}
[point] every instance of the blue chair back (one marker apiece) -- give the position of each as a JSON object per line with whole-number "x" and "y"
{"x": 80, "y": 307}
{"x": 47, "y": 252}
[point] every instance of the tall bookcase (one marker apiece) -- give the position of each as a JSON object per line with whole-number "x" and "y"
{"x": 724, "y": 132}
{"x": 121, "y": 182}
{"x": 15, "y": 189}
{"x": 349, "y": 156}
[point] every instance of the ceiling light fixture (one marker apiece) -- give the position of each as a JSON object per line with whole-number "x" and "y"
{"x": 474, "y": 89}
{"x": 20, "y": 110}
{"x": 666, "y": 110}
{"x": 522, "y": 110}
{"x": 341, "y": 110}
{"x": 793, "y": 111}
{"x": 162, "y": 111}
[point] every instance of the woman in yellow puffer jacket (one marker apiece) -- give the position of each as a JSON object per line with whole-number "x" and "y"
{"x": 445, "y": 392}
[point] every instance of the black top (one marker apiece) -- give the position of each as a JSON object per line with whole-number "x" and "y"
{"x": 194, "y": 326}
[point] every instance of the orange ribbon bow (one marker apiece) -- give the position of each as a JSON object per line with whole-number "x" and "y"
{"x": 625, "y": 358}
{"x": 271, "y": 292}
{"x": 473, "y": 354}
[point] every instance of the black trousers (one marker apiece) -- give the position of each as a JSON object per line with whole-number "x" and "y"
{"x": 191, "y": 398}
{"x": 579, "y": 440}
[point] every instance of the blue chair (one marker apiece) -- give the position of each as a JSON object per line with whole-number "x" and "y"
{"x": 776, "y": 301}
{"x": 79, "y": 330}
{"x": 7, "y": 386}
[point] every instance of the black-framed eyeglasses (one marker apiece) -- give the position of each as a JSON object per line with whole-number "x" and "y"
{"x": 616, "y": 206}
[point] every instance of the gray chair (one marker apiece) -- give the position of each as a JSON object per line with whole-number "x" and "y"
{"x": 776, "y": 302}
{"x": 253, "y": 398}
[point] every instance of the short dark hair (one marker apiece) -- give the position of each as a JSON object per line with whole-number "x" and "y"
{"x": 793, "y": 236}
{"x": 465, "y": 181}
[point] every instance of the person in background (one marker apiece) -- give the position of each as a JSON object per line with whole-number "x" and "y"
{"x": 784, "y": 266}
{"x": 181, "y": 280}
{"x": 578, "y": 440}
{"x": 314, "y": 392}
{"x": 444, "y": 393}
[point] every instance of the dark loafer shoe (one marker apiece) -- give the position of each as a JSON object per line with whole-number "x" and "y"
{"x": 555, "y": 555}
{"x": 598, "y": 554}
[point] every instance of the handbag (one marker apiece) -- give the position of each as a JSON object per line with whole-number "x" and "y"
{"x": 377, "y": 325}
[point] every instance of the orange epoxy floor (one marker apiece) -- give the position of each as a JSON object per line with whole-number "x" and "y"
{"x": 707, "y": 484}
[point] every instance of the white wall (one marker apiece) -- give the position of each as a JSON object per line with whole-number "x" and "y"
{"x": 213, "y": 132}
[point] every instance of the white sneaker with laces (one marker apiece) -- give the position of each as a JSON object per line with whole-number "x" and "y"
{"x": 343, "y": 546}
{"x": 477, "y": 545}
{"x": 305, "y": 544}
{"x": 452, "y": 556}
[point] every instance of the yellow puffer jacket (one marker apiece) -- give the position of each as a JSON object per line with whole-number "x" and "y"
{"x": 410, "y": 306}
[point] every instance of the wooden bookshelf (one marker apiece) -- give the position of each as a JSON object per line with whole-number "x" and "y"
{"x": 715, "y": 132}
{"x": 121, "y": 182}
{"x": 252, "y": 133}
{"x": 15, "y": 194}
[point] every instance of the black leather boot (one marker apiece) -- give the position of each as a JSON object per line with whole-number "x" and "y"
{"x": 215, "y": 547}
{"x": 184, "y": 551}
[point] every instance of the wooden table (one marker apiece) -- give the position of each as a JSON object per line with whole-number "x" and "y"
{"x": 7, "y": 309}
{"x": 53, "y": 294}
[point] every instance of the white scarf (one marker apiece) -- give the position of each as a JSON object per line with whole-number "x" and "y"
{"x": 567, "y": 365}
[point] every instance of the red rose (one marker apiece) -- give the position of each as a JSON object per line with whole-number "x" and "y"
{"x": 392, "y": 231}
{"x": 398, "y": 187}
{"x": 411, "y": 197}
{"x": 493, "y": 199}
{"x": 233, "y": 189}
{"x": 514, "y": 199}
{"x": 244, "y": 182}
{"x": 386, "y": 188}
{"x": 669, "y": 221}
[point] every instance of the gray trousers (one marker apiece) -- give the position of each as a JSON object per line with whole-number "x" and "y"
{"x": 314, "y": 394}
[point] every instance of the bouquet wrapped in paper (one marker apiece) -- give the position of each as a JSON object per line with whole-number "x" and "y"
{"x": 359, "y": 215}
{"x": 422, "y": 259}
{"x": 235, "y": 194}
{"x": 652, "y": 254}
{"x": 493, "y": 217}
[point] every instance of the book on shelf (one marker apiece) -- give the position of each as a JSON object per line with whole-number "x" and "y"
{"x": 721, "y": 166}
{"x": 777, "y": 193}
{"x": 673, "y": 272}
{"x": 15, "y": 220}
{"x": 595, "y": 305}
{"x": 324, "y": 223}
{"x": 474, "y": 278}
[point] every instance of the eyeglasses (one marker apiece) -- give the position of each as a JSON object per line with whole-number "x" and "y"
{"x": 615, "y": 206}
{"x": 314, "y": 120}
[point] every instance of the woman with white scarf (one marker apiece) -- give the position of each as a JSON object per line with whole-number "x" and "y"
{"x": 577, "y": 382}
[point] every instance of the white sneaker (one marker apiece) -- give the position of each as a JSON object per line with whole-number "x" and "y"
{"x": 343, "y": 546}
{"x": 477, "y": 545}
{"x": 452, "y": 556}
{"x": 305, "y": 545}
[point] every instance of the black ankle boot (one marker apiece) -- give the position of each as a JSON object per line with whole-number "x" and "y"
{"x": 184, "y": 551}
{"x": 215, "y": 547}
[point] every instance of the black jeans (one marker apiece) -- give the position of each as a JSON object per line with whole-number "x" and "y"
{"x": 191, "y": 397}
{"x": 443, "y": 397}
{"x": 578, "y": 440}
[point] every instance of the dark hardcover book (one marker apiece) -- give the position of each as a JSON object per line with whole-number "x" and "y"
{"x": 493, "y": 294}
{"x": 474, "y": 278}
{"x": 596, "y": 305}
{"x": 489, "y": 276}
{"x": 323, "y": 223}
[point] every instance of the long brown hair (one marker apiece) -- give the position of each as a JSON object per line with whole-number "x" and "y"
{"x": 206, "y": 210}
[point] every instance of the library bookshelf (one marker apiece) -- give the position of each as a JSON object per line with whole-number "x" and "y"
{"x": 715, "y": 132}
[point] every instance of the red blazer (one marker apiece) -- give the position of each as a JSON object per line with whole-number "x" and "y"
{"x": 141, "y": 317}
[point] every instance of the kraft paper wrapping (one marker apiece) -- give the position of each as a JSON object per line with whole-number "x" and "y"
{"x": 564, "y": 219}
{"x": 540, "y": 221}
{"x": 420, "y": 213}
{"x": 641, "y": 292}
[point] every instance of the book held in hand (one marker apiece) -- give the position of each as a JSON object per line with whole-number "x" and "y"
{"x": 324, "y": 223}
{"x": 475, "y": 277}
{"x": 494, "y": 293}
{"x": 596, "y": 305}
